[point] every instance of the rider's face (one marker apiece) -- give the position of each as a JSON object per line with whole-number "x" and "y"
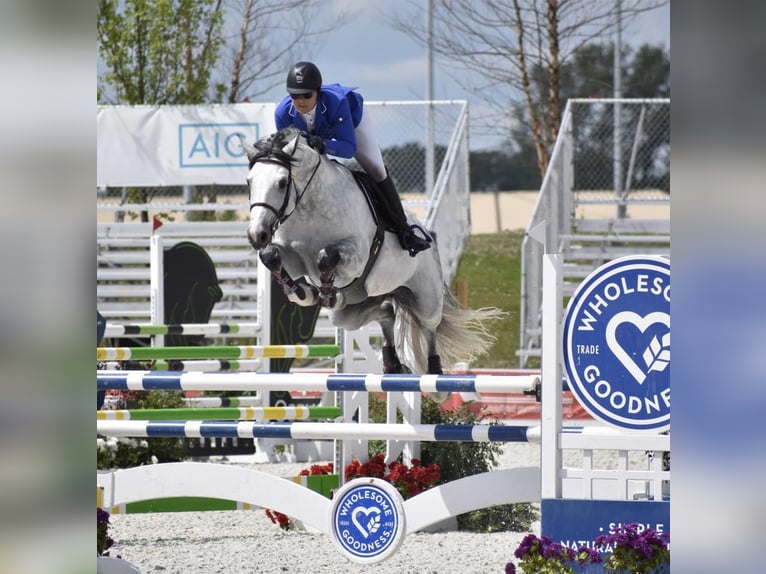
{"x": 304, "y": 104}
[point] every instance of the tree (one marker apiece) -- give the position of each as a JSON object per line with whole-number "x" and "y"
{"x": 158, "y": 51}
{"x": 646, "y": 74}
{"x": 515, "y": 46}
{"x": 268, "y": 35}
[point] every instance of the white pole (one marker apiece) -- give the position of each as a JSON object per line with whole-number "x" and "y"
{"x": 551, "y": 408}
{"x": 156, "y": 285}
{"x": 618, "y": 190}
{"x": 430, "y": 96}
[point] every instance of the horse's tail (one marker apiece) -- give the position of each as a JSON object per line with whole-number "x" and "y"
{"x": 462, "y": 335}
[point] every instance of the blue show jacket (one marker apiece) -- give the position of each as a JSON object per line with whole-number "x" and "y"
{"x": 338, "y": 112}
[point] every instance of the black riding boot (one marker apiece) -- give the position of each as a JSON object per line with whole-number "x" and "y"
{"x": 413, "y": 238}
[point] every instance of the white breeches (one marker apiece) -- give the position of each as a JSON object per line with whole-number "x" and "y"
{"x": 367, "y": 149}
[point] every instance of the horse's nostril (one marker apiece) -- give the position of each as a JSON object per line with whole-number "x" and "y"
{"x": 263, "y": 238}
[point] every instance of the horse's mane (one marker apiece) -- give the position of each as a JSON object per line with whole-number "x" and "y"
{"x": 271, "y": 146}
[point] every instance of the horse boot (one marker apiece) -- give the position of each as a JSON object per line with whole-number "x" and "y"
{"x": 391, "y": 363}
{"x": 413, "y": 238}
{"x": 273, "y": 262}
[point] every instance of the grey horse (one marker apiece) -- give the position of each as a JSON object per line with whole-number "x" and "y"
{"x": 318, "y": 232}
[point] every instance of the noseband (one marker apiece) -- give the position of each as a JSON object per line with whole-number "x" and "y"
{"x": 276, "y": 156}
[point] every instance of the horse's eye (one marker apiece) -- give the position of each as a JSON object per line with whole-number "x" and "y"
{"x": 283, "y": 183}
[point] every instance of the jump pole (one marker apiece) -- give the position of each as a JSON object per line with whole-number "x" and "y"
{"x": 206, "y": 329}
{"x": 222, "y": 413}
{"x": 232, "y": 381}
{"x": 318, "y": 431}
{"x": 216, "y": 352}
{"x": 202, "y": 365}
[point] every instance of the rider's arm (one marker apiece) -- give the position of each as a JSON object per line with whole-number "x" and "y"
{"x": 282, "y": 116}
{"x": 340, "y": 140}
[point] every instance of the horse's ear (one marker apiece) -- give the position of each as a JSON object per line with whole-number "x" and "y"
{"x": 249, "y": 148}
{"x": 292, "y": 147}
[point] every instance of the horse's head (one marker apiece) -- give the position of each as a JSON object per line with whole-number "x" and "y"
{"x": 273, "y": 179}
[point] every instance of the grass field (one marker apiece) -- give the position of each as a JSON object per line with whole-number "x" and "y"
{"x": 490, "y": 269}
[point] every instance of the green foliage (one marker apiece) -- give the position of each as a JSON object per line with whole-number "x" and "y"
{"x": 490, "y": 268}
{"x": 129, "y": 452}
{"x": 408, "y": 164}
{"x": 208, "y": 194}
{"x": 458, "y": 460}
{"x": 160, "y": 51}
{"x": 504, "y": 170}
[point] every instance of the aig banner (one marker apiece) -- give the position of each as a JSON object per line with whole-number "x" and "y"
{"x": 177, "y": 145}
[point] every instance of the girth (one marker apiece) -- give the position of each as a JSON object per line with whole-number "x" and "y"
{"x": 355, "y": 292}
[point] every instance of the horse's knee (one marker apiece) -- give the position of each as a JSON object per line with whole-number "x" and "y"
{"x": 328, "y": 259}
{"x": 271, "y": 258}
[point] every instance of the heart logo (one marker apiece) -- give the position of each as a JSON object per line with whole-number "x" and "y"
{"x": 654, "y": 349}
{"x": 368, "y": 524}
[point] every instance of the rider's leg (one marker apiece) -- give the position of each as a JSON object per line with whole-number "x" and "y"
{"x": 413, "y": 238}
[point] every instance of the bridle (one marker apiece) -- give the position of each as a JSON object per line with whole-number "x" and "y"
{"x": 276, "y": 156}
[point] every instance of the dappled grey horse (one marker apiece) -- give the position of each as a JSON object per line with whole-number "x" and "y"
{"x": 316, "y": 228}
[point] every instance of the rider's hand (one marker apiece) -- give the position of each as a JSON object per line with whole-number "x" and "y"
{"x": 317, "y": 142}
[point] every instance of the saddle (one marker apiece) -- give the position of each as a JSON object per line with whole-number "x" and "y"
{"x": 381, "y": 214}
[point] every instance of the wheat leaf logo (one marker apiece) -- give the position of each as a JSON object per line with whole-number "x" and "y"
{"x": 657, "y": 355}
{"x": 374, "y": 524}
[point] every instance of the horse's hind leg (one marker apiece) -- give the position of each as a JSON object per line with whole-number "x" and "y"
{"x": 381, "y": 311}
{"x": 391, "y": 362}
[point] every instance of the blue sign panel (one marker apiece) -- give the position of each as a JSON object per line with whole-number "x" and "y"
{"x": 214, "y": 144}
{"x": 575, "y": 523}
{"x": 367, "y": 520}
{"x": 617, "y": 343}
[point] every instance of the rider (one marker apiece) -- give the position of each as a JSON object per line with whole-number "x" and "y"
{"x": 333, "y": 116}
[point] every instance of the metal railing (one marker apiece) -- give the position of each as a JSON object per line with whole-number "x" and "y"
{"x": 583, "y": 172}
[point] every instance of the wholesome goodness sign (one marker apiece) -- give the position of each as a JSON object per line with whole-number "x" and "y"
{"x": 617, "y": 343}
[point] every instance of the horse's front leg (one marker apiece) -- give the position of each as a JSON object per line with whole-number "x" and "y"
{"x": 300, "y": 293}
{"x": 341, "y": 259}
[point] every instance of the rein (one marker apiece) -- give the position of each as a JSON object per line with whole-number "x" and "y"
{"x": 355, "y": 290}
{"x": 280, "y": 158}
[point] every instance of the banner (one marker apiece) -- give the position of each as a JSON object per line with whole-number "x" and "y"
{"x": 155, "y": 146}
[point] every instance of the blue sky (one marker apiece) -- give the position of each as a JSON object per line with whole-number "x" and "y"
{"x": 387, "y": 65}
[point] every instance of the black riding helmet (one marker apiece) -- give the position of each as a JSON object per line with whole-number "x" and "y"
{"x": 303, "y": 77}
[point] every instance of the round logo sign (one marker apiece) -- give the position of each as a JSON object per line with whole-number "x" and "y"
{"x": 367, "y": 520}
{"x": 617, "y": 343}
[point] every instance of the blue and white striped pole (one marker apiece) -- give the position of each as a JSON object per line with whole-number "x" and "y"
{"x": 239, "y": 381}
{"x": 318, "y": 431}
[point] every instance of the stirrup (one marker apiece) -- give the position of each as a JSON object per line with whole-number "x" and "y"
{"x": 415, "y": 239}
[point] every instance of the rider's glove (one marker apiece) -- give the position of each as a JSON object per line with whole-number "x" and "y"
{"x": 317, "y": 142}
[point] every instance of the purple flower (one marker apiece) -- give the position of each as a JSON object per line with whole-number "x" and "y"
{"x": 510, "y": 568}
{"x": 588, "y": 556}
{"x": 529, "y": 541}
{"x": 629, "y": 548}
